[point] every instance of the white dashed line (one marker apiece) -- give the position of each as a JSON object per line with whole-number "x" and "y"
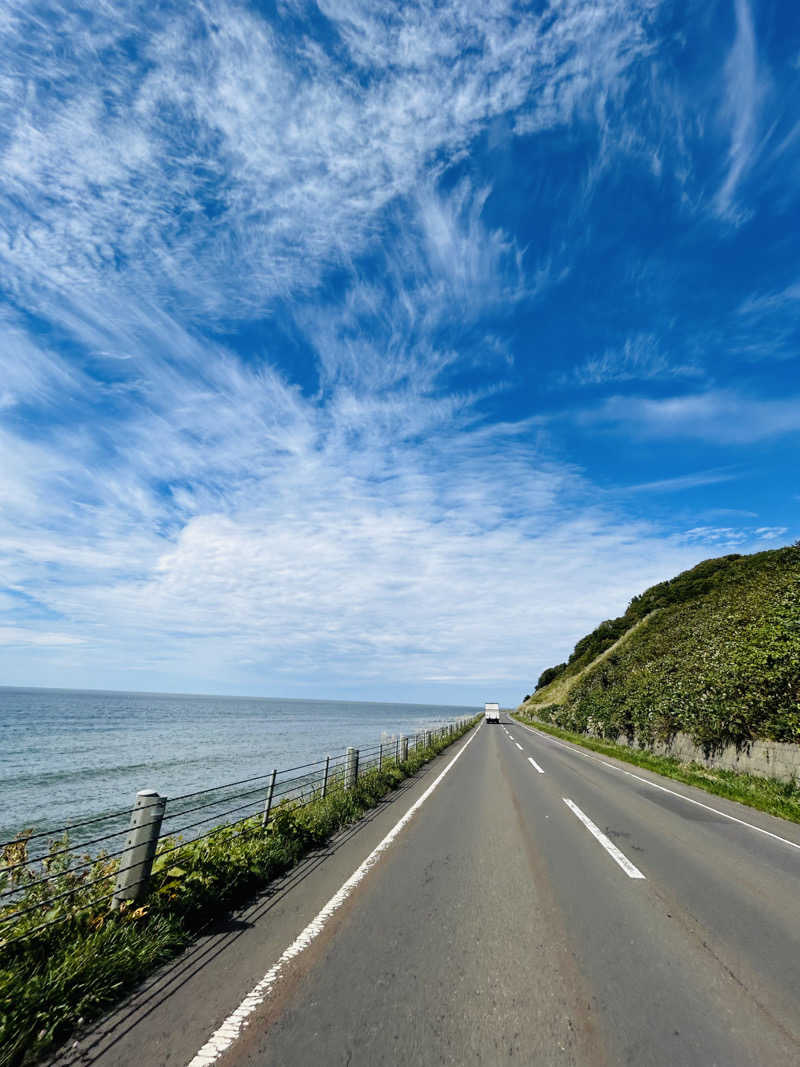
{"x": 618, "y": 857}
{"x": 655, "y": 785}
{"x": 519, "y": 746}
{"x": 535, "y": 765}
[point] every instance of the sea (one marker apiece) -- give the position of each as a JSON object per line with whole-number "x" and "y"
{"x": 70, "y": 755}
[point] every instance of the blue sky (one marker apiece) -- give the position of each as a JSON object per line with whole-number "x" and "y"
{"x": 381, "y": 350}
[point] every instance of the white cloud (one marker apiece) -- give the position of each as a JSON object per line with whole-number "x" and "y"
{"x": 771, "y": 533}
{"x": 640, "y": 358}
{"x": 718, "y": 536}
{"x": 720, "y": 416}
{"x": 746, "y": 86}
{"x": 721, "y": 536}
{"x": 184, "y": 514}
{"x": 681, "y": 482}
{"x": 232, "y": 529}
{"x": 221, "y": 169}
{"x": 16, "y": 636}
{"x": 767, "y": 303}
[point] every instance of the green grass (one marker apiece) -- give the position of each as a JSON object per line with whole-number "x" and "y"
{"x": 766, "y": 794}
{"x": 55, "y": 979}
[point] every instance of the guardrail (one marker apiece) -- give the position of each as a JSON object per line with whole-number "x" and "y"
{"x": 40, "y": 867}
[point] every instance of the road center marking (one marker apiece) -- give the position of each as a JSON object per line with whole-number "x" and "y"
{"x": 227, "y": 1033}
{"x": 629, "y": 868}
{"x": 655, "y": 785}
{"x": 519, "y": 746}
{"x": 533, "y": 763}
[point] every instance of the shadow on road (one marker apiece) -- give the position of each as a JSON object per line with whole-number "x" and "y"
{"x": 213, "y": 941}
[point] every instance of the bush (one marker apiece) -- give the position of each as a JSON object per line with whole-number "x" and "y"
{"x": 549, "y": 675}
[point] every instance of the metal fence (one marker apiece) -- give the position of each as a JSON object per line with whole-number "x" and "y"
{"x": 40, "y": 870}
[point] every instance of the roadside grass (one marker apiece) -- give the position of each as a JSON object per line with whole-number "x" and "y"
{"x": 60, "y": 977}
{"x": 765, "y": 794}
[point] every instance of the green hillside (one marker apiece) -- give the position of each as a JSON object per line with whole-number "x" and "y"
{"x": 714, "y": 652}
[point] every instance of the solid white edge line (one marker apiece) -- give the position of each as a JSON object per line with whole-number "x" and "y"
{"x": 629, "y": 868}
{"x": 224, "y": 1036}
{"x": 533, "y": 763}
{"x": 690, "y": 800}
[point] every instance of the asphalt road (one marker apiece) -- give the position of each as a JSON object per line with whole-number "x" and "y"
{"x": 543, "y": 905}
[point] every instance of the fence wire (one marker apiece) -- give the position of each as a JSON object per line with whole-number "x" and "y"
{"x": 22, "y": 875}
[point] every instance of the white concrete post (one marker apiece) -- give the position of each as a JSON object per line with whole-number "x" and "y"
{"x": 268, "y": 801}
{"x": 404, "y": 750}
{"x": 325, "y": 779}
{"x": 351, "y": 769}
{"x": 136, "y": 862}
{"x": 427, "y": 738}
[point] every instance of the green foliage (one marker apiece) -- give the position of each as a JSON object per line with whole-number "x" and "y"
{"x": 720, "y": 660}
{"x": 548, "y": 676}
{"x": 79, "y": 967}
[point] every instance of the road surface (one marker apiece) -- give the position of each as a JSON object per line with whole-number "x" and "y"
{"x": 541, "y": 904}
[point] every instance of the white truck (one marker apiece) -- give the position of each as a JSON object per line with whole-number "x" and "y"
{"x": 491, "y": 712}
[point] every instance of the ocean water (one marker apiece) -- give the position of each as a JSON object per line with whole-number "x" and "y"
{"x": 67, "y": 755}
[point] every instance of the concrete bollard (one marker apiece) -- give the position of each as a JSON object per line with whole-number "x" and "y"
{"x": 351, "y": 769}
{"x": 325, "y": 779}
{"x": 268, "y": 801}
{"x": 136, "y": 862}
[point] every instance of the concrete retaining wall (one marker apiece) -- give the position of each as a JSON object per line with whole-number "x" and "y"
{"x": 771, "y": 759}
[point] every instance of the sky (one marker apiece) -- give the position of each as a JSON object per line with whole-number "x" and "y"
{"x": 381, "y": 350}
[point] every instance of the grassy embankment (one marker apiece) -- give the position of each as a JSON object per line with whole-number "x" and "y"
{"x": 72, "y": 972}
{"x": 713, "y": 653}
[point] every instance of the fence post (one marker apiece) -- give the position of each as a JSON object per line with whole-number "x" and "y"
{"x": 325, "y": 779}
{"x": 380, "y": 758}
{"x": 396, "y": 751}
{"x": 427, "y": 739}
{"x": 136, "y": 862}
{"x": 404, "y": 750}
{"x": 268, "y": 802}
{"x": 351, "y": 769}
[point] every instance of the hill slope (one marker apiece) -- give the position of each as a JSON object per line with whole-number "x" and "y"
{"x": 718, "y": 658}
